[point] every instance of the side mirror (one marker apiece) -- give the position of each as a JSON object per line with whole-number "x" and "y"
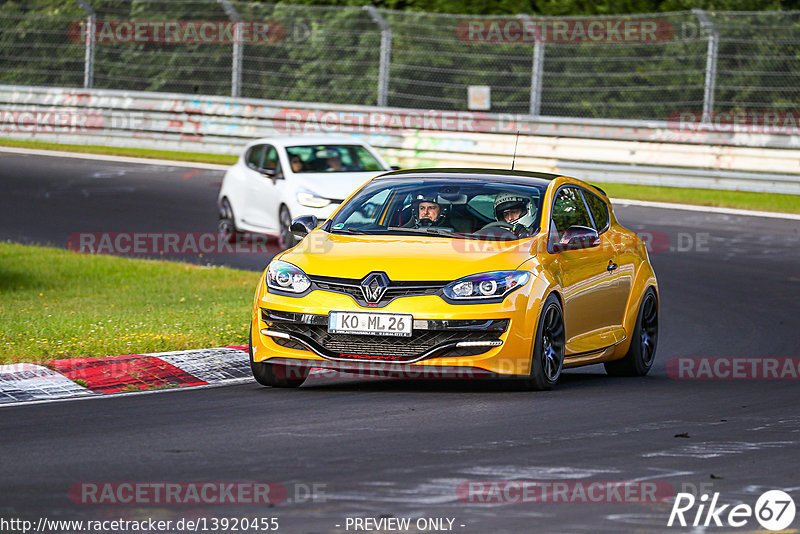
{"x": 303, "y": 225}
{"x": 577, "y": 238}
{"x": 272, "y": 174}
{"x": 395, "y": 167}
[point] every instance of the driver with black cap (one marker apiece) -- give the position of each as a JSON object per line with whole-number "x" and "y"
{"x": 426, "y": 211}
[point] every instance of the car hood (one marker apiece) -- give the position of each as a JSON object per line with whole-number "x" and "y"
{"x": 404, "y": 257}
{"x": 334, "y": 185}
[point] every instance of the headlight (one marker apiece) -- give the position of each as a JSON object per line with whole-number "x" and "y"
{"x": 284, "y": 276}
{"x": 486, "y": 286}
{"x": 307, "y": 198}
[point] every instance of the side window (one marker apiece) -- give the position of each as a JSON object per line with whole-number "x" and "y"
{"x": 270, "y": 158}
{"x": 568, "y": 210}
{"x": 306, "y": 155}
{"x": 599, "y": 210}
{"x": 368, "y": 211}
{"x": 255, "y": 156}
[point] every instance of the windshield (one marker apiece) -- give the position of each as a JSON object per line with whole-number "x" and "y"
{"x": 466, "y": 209}
{"x": 332, "y": 158}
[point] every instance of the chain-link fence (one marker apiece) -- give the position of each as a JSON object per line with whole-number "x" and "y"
{"x": 624, "y": 67}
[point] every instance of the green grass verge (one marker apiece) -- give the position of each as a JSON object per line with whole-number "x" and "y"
{"x": 706, "y": 197}
{"x": 62, "y": 304}
{"x": 194, "y": 157}
{"x": 702, "y": 197}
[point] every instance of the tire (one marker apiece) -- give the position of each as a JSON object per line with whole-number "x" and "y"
{"x": 285, "y": 220}
{"x": 548, "y": 349}
{"x": 642, "y": 352}
{"x": 276, "y": 375}
{"x": 227, "y": 223}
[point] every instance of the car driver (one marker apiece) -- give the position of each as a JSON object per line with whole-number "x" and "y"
{"x": 514, "y": 210}
{"x": 426, "y": 212}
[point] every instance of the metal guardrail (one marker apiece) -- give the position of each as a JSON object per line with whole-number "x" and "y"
{"x": 613, "y": 151}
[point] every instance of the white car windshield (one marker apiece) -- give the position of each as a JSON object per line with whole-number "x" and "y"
{"x": 332, "y": 158}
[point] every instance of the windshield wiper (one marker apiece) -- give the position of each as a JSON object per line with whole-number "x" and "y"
{"x": 431, "y": 231}
{"x": 350, "y": 231}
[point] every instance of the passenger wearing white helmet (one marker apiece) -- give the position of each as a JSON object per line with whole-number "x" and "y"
{"x": 514, "y": 210}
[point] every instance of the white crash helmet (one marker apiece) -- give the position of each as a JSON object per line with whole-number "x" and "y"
{"x": 507, "y": 201}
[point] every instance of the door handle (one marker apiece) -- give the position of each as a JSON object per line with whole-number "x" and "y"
{"x": 611, "y": 266}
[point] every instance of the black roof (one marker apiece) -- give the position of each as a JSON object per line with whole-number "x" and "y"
{"x": 521, "y": 177}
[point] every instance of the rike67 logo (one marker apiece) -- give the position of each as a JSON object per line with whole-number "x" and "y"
{"x": 774, "y": 510}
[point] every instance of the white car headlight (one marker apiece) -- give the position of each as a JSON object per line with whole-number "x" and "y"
{"x": 283, "y": 276}
{"x": 486, "y": 286}
{"x": 307, "y": 198}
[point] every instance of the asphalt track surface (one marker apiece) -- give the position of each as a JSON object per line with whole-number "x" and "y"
{"x": 380, "y": 447}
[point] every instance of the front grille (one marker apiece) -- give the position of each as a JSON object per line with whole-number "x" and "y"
{"x": 438, "y": 339}
{"x": 396, "y": 289}
{"x": 389, "y": 347}
{"x": 353, "y": 291}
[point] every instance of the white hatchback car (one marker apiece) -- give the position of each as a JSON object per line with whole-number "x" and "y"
{"x": 278, "y": 178}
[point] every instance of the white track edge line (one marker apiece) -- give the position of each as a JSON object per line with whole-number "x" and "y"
{"x": 704, "y": 209}
{"x": 119, "y": 159}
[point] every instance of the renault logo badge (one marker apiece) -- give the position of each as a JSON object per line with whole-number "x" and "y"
{"x": 373, "y": 286}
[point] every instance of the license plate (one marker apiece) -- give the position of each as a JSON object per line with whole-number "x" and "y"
{"x": 365, "y": 323}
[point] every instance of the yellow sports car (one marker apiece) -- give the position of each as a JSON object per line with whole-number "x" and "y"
{"x": 463, "y": 273}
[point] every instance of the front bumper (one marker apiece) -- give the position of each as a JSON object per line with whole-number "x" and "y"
{"x": 430, "y": 338}
{"x": 387, "y": 370}
{"x": 495, "y": 338}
